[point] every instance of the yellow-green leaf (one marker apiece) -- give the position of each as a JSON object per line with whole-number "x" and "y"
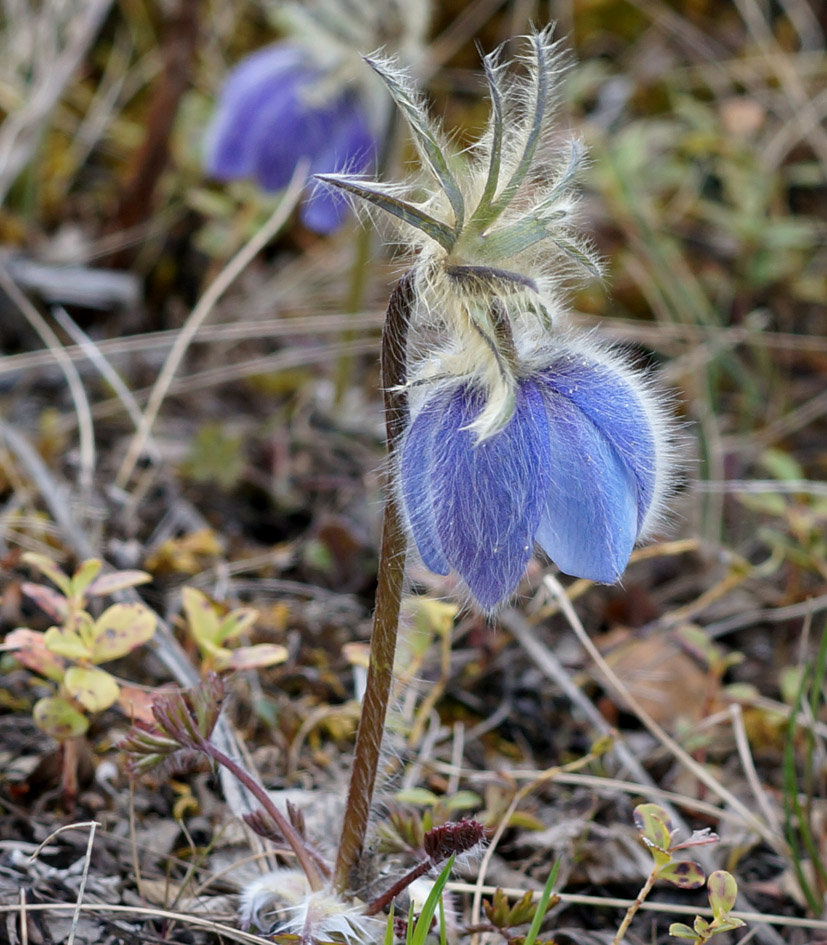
{"x": 682, "y": 873}
{"x": 723, "y": 891}
{"x": 66, "y": 643}
{"x": 49, "y": 569}
{"x": 94, "y": 689}
{"x": 654, "y": 825}
{"x": 120, "y": 629}
{"x": 235, "y": 623}
{"x": 201, "y": 616}
{"x": 83, "y": 577}
{"x": 252, "y": 657}
{"x": 59, "y": 718}
{"x": 679, "y": 930}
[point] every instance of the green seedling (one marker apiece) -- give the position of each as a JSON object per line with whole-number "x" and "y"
{"x": 212, "y": 631}
{"x": 723, "y": 891}
{"x": 504, "y": 918}
{"x": 658, "y": 834}
{"x": 68, "y": 654}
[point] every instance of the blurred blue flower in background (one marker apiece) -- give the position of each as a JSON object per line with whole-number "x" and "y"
{"x": 579, "y": 468}
{"x": 279, "y": 107}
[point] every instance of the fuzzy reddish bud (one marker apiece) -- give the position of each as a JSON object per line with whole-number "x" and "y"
{"x": 457, "y": 837}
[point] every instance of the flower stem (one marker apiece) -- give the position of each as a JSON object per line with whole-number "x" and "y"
{"x": 303, "y": 855}
{"x": 390, "y": 894}
{"x": 633, "y": 908}
{"x": 355, "y": 301}
{"x": 388, "y": 599}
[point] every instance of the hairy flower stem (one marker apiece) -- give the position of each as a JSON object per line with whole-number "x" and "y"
{"x": 303, "y": 855}
{"x": 390, "y": 894}
{"x": 631, "y": 912}
{"x": 388, "y": 599}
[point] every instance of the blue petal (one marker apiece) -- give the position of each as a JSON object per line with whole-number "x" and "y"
{"x": 590, "y": 521}
{"x": 350, "y": 147}
{"x": 262, "y": 81}
{"x": 288, "y": 130}
{"x": 605, "y": 397}
{"x": 488, "y": 497}
{"x": 415, "y": 479}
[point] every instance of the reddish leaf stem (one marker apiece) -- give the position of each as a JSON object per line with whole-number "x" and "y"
{"x": 303, "y": 855}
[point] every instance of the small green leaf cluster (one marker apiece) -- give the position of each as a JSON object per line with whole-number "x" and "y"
{"x": 211, "y": 632}
{"x": 505, "y": 917}
{"x": 69, "y": 653}
{"x": 723, "y": 891}
{"x": 657, "y": 833}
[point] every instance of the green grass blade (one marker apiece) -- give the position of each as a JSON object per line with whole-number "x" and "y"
{"x": 423, "y": 923}
{"x": 542, "y": 905}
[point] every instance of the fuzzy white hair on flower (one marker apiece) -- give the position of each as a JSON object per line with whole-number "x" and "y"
{"x": 493, "y": 236}
{"x": 282, "y": 901}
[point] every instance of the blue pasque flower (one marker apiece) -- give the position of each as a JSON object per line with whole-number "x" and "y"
{"x": 576, "y": 468}
{"x": 308, "y": 98}
{"x": 523, "y": 430}
{"x": 279, "y": 107}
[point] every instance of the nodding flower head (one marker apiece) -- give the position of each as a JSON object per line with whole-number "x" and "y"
{"x": 579, "y": 468}
{"x": 306, "y": 99}
{"x": 522, "y": 430}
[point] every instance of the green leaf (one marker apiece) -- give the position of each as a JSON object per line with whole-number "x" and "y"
{"x": 682, "y": 873}
{"x": 417, "y": 796}
{"x": 402, "y": 210}
{"x": 83, "y": 577}
{"x": 215, "y": 455}
{"x": 723, "y": 891}
{"x": 654, "y": 825}
{"x": 508, "y": 192}
{"x": 679, "y": 930}
{"x": 426, "y": 141}
{"x": 201, "y": 616}
{"x": 120, "y": 629}
{"x": 462, "y": 800}
{"x": 235, "y": 623}
{"x": 49, "y": 569}
{"x": 701, "y": 925}
{"x": 63, "y": 642}
{"x": 94, "y": 689}
{"x": 59, "y": 718}
{"x": 491, "y": 68}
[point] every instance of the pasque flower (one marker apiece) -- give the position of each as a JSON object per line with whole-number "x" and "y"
{"x": 279, "y": 107}
{"x": 305, "y": 98}
{"x": 522, "y": 430}
{"x": 575, "y": 469}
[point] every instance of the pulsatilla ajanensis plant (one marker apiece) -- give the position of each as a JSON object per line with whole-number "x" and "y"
{"x": 521, "y": 430}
